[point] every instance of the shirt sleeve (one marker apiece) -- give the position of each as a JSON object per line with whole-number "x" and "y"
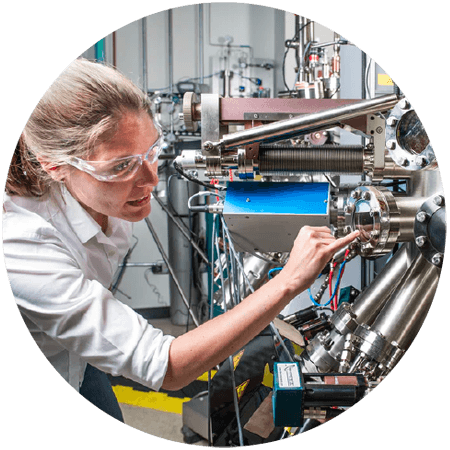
{"x": 82, "y": 315}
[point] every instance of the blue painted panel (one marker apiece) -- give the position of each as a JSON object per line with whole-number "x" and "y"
{"x": 277, "y": 198}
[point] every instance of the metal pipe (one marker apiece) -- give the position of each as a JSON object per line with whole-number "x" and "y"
{"x": 402, "y": 317}
{"x": 304, "y": 124}
{"x": 256, "y": 271}
{"x": 180, "y": 227}
{"x": 144, "y": 54}
{"x": 200, "y": 41}
{"x": 370, "y": 302}
{"x": 407, "y": 207}
{"x": 171, "y": 271}
{"x": 170, "y": 41}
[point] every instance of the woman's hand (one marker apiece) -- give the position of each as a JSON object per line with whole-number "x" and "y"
{"x": 313, "y": 248}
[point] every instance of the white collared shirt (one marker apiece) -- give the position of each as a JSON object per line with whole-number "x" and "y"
{"x": 60, "y": 265}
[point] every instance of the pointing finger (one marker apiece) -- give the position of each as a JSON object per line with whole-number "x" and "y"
{"x": 342, "y": 242}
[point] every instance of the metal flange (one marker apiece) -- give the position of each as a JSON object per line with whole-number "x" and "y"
{"x": 190, "y": 100}
{"x": 429, "y": 229}
{"x": 374, "y": 212}
{"x": 406, "y": 138}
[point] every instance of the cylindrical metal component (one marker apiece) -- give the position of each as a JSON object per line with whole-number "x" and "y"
{"x": 256, "y": 270}
{"x": 307, "y": 123}
{"x": 326, "y": 158}
{"x": 408, "y": 207}
{"x": 403, "y": 315}
{"x": 370, "y": 302}
{"x": 180, "y": 252}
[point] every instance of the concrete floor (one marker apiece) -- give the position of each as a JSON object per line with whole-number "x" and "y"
{"x": 158, "y": 423}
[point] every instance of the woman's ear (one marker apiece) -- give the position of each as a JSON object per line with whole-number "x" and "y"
{"x": 57, "y": 173}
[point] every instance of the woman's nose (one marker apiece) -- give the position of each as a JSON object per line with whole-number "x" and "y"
{"x": 147, "y": 174}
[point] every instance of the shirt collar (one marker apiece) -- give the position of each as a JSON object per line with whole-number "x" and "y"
{"x": 81, "y": 222}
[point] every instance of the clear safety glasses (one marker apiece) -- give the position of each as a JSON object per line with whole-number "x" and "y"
{"x": 119, "y": 169}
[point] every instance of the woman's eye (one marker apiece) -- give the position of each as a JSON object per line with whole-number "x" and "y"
{"x": 122, "y": 166}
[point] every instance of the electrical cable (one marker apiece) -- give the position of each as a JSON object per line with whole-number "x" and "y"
{"x": 211, "y": 315}
{"x": 230, "y": 358}
{"x": 196, "y": 180}
{"x": 275, "y": 269}
{"x": 252, "y": 289}
{"x": 288, "y": 43}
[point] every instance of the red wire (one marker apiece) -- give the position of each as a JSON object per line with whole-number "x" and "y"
{"x": 334, "y": 303}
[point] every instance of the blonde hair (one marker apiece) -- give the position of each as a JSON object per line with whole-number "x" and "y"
{"x": 81, "y": 109}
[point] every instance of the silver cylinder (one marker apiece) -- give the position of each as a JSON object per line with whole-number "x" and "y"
{"x": 426, "y": 182}
{"x": 408, "y": 207}
{"x": 306, "y": 123}
{"x": 402, "y": 317}
{"x": 256, "y": 270}
{"x": 180, "y": 253}
{"x": 370, "y": 302}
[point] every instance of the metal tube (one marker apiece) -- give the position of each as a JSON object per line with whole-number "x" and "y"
{"x": 144, "y": 54}
{"x": 171, "y": 271}
{"x": 183, "y": 231}
{"x": 200, "y": 41}
{"x": 370, "y": 302}
{"x": 304, "y": 124}
{"x": 402, "y": 317}
{"x": 170, "y": 40}
{"x": 408, "y": 207}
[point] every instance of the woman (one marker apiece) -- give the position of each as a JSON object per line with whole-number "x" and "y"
{"x": 83, "y": 171}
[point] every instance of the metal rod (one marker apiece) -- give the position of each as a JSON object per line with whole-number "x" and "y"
{"x": 171, "y": 271}
{"x": 304, "y": 124}
{"x": 144, "y": 54}
{"x": 403, "y": 315}
{"x": 200, "y": 42}
{"x": 183, "y": 231}
{"x": 139, "y": 264}
{"x": 370, "y": 302}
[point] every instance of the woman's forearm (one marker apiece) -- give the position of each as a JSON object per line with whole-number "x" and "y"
{"x": 208, "y": 345}
{"x": 203, "y": 348}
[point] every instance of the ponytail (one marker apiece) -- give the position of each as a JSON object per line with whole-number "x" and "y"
{"x": 23, "y": 178}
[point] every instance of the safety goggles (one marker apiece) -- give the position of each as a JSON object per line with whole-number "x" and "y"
{"x": 119, "y": 169}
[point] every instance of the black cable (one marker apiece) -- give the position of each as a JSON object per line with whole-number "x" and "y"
{"x": 196, "y": 180}
{"x": 288, "y": 43}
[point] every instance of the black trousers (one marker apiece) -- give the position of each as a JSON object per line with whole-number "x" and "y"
{"x": 96, "y": 388}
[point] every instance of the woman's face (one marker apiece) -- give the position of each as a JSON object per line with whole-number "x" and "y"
{"x": 130, "y": 199}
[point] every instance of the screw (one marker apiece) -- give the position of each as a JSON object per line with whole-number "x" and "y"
{"x": 405, "y": 162}
{"x": 437, "y": 259}
{"x": 391, "y": 121}
{"x": 438, "y": 200}
{"x": 391, "y": 145}
{"x": 255, "y": 116}
{"x": 420, "y": 161}
{"x": 366, "y": 195}
{"x": 404, "y": 104}
{"x": 348, "y": 209}
{"x": 355, "y": 194}
{"x": 420, "y": 241}
{"x": 421, "y": 216}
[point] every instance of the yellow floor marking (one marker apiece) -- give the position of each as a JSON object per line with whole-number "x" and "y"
{"x": 153, "y": 400}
